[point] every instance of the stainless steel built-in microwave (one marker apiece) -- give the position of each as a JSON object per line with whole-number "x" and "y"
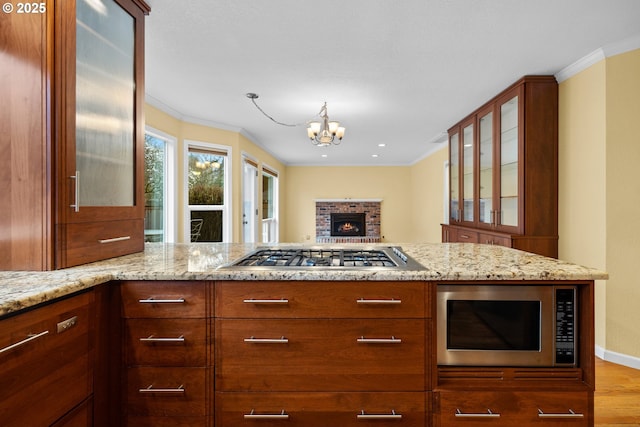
{"x": 507, "y": 325}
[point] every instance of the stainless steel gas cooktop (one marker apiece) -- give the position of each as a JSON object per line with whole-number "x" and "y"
{"x": 391, "y": 257}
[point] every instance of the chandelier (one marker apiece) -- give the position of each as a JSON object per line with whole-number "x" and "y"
{"x": 325, "y": 132}
{"x": 321, "y": 133}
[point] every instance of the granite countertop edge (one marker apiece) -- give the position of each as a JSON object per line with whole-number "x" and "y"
{"x": 20, "y": 290}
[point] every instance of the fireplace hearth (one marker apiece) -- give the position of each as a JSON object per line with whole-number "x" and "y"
{"x": 348, "y": 224}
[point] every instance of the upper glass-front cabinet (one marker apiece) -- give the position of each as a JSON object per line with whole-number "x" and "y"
{"x": 468, "y": 167}
{"x": 485, "y": 138}
{"x": 509, "y": 154}
{"x": 454, "y": 177}
{"x": 105, "y": 105}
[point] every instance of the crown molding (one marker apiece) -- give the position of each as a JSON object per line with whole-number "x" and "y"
{"x": 612, "y": 49}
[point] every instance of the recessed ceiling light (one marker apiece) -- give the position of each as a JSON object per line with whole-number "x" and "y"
{"x": 382, "y": 145}
{"x": 324, "y": 155}
{"x": 374, "y": 155}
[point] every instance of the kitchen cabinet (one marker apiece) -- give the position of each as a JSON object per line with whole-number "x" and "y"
{"x": 329, "y": 353}
{"x": 46, "y": 365}
{"x": 74, "y": 137}
{"x": 509, "y": 408}
{"x": 167, "y": 342}
{"x": 504, "y": 169}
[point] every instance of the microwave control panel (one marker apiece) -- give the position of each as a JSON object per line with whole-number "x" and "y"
{"x": 565, "y": 326}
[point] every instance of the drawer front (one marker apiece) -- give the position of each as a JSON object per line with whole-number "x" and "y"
{"x": 321, "y": 299}
{"x": 557, "y": 409}
{"x": 320, "y": 354}
{"x": 320, "y": 409}
{"x": 45, "y": 362}
{"x": 163, "y": 299}
{"x": 93, "y": 241}
{"x": 166, "y": 392}
{"x": 166, "y": 342}
{"x": 462, "y": 236}
{"x": 492, "y": 239}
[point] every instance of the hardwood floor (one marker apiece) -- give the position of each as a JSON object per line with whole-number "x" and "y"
{"x": 617, "y": 397}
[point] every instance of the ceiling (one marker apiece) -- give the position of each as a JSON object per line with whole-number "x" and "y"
{"x": 398, "y": 73}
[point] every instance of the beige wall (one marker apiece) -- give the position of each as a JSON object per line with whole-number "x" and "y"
{"x": 428, "y": 196}
{"x": 582, "y": 177}
{"x": 623, "y": 203}
{"x": 600, "y": 191}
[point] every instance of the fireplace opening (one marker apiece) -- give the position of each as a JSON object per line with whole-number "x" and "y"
{"x": 348, "y": 224}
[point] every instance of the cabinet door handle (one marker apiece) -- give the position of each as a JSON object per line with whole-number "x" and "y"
{"x": 379, "y": 301}
{"x": 392, "y": 416}
{"x": 392, "y": 340}
{"x": 115, "y": 239}
{"x": 30, "y": 337}
{"x": 254, "y": 340}
{"x": 151, "y": 338}
{"x": 570, "y": 414}
{"x": 488, "y": 414}
{"x": 266, "y": 301}
{"x": 76, "y": 190}
{"x": 253, "y": 416}
{"x": 150, "y": 389}
{"x": 152, "y": 300}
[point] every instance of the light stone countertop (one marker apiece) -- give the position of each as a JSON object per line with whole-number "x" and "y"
{"x": 202, "y": 261}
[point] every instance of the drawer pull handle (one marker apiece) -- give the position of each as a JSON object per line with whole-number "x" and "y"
{"x": 489, "y": 414}
{"x": 150, "y": 389}
{"x": 392, "y": 340}
{"x": 266, "y": 301}
{"x": 162, "y": 301}
{"x": 253, "y": 416}
{"x": 151, "y": 338}
{"x": 570, "y": 414}
{"x": 379, "y": 301}
{"x": 114, "y": 239}
{"x": 30, "y": 337}
{"x": 391, "y": 416}
{"x": 254, "y": 340}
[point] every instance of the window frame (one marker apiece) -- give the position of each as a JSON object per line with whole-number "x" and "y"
{"x": 169, "y": 190}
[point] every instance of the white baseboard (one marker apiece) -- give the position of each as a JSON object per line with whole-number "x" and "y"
{"x": 619, "y": 358}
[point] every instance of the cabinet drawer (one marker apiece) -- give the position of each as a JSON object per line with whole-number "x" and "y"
{"x": 166, "y": 342}
{"x": 555, "y": 409}
{"x": 462, "y": 236}
{"x": 45, "y": 362}
{"x": 166, "y": 391}
{"x": 135, "y": 421}
{"x": 321, "y": 299}
{"x": 493, "y": 239}
{"x": 92, "y": 241}
{"x": 163, "y": 299}
{"x": 320, "y": 409}
{"x": 320, "y": 354}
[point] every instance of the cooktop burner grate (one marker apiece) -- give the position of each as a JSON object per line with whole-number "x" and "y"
{"x": 282, "y": 257}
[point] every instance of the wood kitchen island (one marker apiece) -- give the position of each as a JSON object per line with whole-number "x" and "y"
{"x": 177, "y": 340}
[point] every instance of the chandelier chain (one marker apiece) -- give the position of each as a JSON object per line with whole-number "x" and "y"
{"x": 253, "y": 97}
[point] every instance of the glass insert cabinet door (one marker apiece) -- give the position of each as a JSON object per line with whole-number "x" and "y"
{"x": 454, "y": 177}
{"x": 468, "y": 193}
{"x": 105, "y": 105}
{"x": 509, "y": 132}
{"x": 485, "y": 137}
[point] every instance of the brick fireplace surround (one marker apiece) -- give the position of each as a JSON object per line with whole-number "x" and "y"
{"x": 324, "y": 209}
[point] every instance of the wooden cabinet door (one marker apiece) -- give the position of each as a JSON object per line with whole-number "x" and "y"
{"x": 100, "y": 166}
{"x": 505, "y": 408}
{"x": 46, "y": 362}
{"x": 321, "y": 409}
{"x": 320, "y": 354}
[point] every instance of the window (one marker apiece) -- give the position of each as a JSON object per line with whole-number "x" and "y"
{"x": 208, "y": 183}
{"x": 269, "y": 205}
{"x": 159, "y": 187}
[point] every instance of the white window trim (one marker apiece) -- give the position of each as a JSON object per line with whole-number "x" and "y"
{"x": 226, "y": 208}
{"x": 276, "y": 195}
{"x": 170, "y": 208}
